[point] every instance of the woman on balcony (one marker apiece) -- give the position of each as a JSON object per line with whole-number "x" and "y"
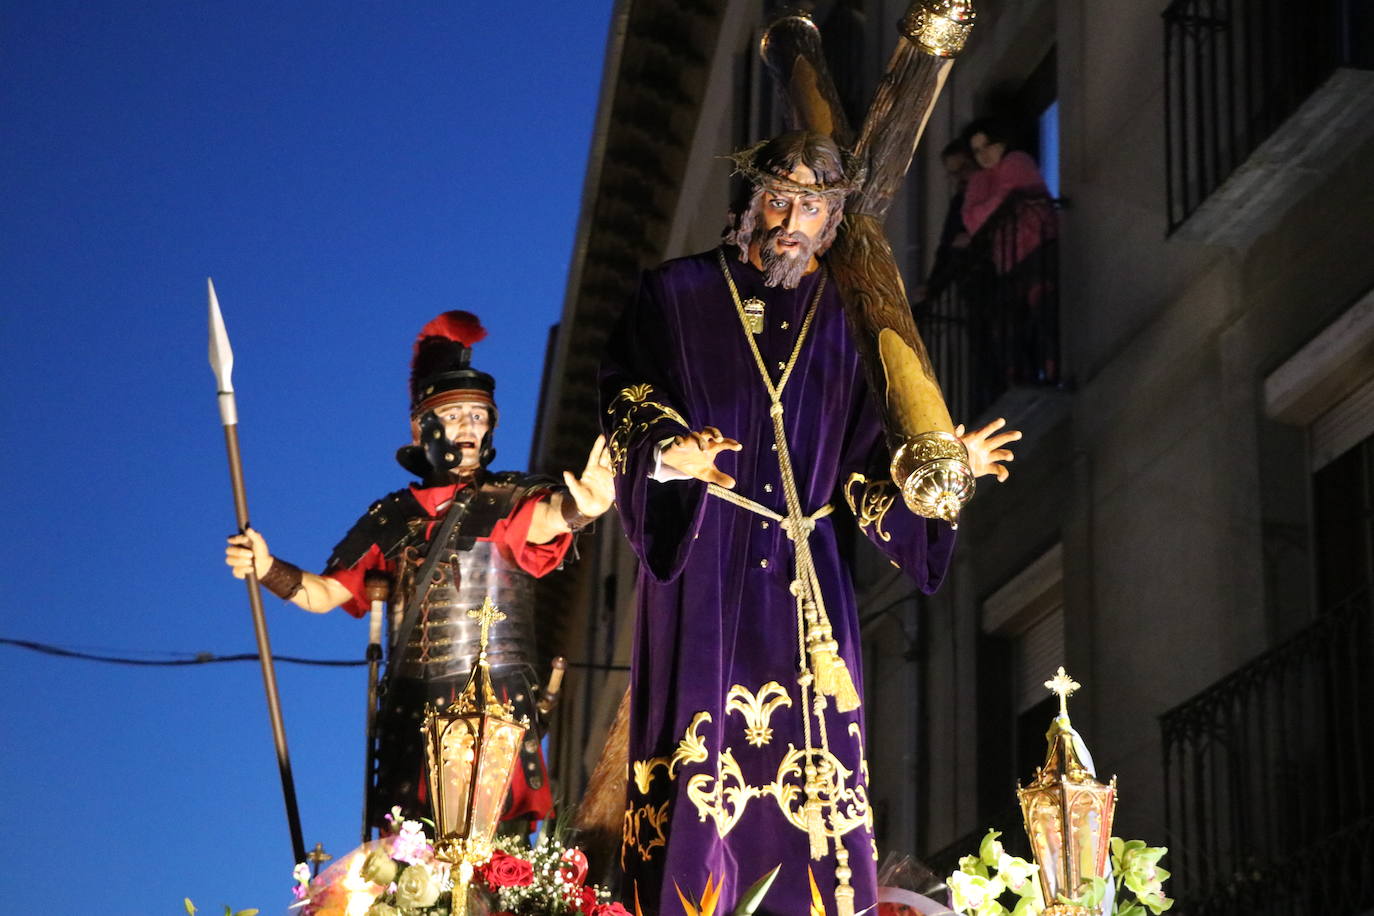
{"x": 1008, "y": 208}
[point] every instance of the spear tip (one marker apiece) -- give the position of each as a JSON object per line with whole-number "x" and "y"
{"x": 221, "y": 354}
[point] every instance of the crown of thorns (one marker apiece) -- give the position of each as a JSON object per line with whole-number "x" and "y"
{"x": 746, "y": 166}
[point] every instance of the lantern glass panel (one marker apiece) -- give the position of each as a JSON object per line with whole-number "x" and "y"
{"x": 459, "y": 742}
{"x": 1047, "y": 841}
{"x": 500, "y": 746}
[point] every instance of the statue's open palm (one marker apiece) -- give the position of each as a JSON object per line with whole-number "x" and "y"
{"x": 594, "y": 490}
{"x": 986, "y": 450}
{"x": 694, "y": 454}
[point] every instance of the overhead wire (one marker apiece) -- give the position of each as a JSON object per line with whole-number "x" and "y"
{"x": 199, "y": 658}
{"x": 205, "y": 658}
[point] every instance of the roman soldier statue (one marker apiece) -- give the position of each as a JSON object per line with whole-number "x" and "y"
{"x": 460, "y": 534}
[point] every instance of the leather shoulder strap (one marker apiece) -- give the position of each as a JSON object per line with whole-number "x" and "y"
{"x": 387, "y": 524}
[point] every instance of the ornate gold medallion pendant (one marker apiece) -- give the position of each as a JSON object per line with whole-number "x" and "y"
{"x": 753, "y": 312}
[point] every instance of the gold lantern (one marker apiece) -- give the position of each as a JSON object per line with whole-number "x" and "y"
{"x": 471, "y": 748}
{"x": 1068, "y": 813}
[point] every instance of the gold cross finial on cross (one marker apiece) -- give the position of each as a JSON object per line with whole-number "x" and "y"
{"x": 1063, "y": 685}
{"x": 486, "y": 615}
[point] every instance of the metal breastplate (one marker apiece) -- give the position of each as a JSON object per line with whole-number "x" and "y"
{"x": 445, "y": 641}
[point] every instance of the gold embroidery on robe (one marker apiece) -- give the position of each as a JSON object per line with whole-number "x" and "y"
{"x": 725, "y": 797}
{"x": 859, "y": 740}
{"x": 691, "y": 749}
{"x": 757, "y": 709}
{"x": 872, "y": 505}
{"x": 643, "y": 830}
{"x": 630, "y": 406}
{"x": 642, "y": 827}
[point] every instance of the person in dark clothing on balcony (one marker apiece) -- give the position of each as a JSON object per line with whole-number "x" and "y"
{"x": 1008, "y": 207}
{"x": 959, "y": 292}
{"x": 952, "y": 253}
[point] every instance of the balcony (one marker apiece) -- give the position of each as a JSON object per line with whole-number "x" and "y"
{"x": 1262, "y": 99}
{"x": 991, "y": 321}
{"x": 1269, "y": 778}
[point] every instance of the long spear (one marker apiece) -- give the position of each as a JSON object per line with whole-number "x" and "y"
{"x": 222, "y": 361}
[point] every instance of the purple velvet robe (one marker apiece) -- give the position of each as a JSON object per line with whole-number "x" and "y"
{"x": 716, "y": 715}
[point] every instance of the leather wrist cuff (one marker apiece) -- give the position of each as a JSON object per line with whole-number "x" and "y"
{"x": 572, "y": 516}
{"x": 282, "y": 579}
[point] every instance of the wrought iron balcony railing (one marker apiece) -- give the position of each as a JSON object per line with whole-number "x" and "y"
{"x": 1269, "y": 778}
{"x": 1234, "y": 70}
{"x": 991, "y": 320}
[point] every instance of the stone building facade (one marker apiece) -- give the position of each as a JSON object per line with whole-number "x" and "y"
{"x": 1189, "y": 527}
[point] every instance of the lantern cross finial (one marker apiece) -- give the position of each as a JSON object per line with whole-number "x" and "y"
{"x": 1063, "y": 685}
{"x": 486, "y": 615}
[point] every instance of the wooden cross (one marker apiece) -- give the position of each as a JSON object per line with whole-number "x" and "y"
{"x": 895, "y": 360}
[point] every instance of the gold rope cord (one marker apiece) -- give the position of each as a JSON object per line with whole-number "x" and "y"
{"x": 827, "y": 670}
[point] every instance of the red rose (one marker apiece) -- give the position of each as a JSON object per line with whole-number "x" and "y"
{"x": 610, "y": 909}
{"x": 584, "y": 898}
{"x": 505, "y": 870}
{"x": 574, "y": 867}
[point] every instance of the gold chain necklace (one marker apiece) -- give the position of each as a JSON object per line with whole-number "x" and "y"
{"x": 775, "y": 393}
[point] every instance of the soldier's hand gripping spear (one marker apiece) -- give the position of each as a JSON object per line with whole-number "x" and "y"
{"x": 222, "y": 361}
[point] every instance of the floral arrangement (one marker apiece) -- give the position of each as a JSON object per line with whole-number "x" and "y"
{"x": 546, "y": 880}
{"x": 397, "y": 875}
{"x": 982, "y": 881}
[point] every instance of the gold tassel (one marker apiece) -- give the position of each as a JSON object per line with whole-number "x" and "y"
{"x": 815, "y": 824}
{"x": 832, "y": 675}
{"x": 844, "y": 892}
{"x": 844, "y": 900}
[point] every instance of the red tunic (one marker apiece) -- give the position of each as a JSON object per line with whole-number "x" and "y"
{"x": 510, "y": 535}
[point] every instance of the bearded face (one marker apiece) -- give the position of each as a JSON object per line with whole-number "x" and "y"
{"x": 786, "y": 256}
{"x": 785, "y": 229}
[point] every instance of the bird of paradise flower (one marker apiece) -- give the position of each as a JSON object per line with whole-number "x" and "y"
{"x": 706, "y": 904}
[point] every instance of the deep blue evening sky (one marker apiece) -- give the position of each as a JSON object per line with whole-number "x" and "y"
{"x": 344, "y": 171}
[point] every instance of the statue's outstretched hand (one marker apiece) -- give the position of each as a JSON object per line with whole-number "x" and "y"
{"x": 594, "y": 491}
{"x": 986, "y": 450}
{"x": 694, "y": 454}
{"x": 247, "y": 551}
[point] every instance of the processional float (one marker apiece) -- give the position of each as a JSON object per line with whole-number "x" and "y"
{"x": 929, "y": 463}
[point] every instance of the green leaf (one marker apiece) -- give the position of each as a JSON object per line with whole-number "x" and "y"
{"x": 1130, "y": 909}
{"x": 246, "y": 913}
{"x": 190, "y": 907}
{"x": 749, "y": 901}
{"x": 1117, "y": 845}
{"x": 1090, "y": 896}
{"x": 990, "y": 851}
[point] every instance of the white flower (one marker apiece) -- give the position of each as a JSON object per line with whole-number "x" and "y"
{"x": 416, "y": 888}
{"x": 974, "y": 892}
{"x": 378, "y": 867}
{"x": 1017, "y": 873}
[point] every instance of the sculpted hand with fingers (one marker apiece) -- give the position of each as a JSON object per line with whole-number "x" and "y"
{"x": 987, "y": 448}
{"x": 694, "y": 455}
